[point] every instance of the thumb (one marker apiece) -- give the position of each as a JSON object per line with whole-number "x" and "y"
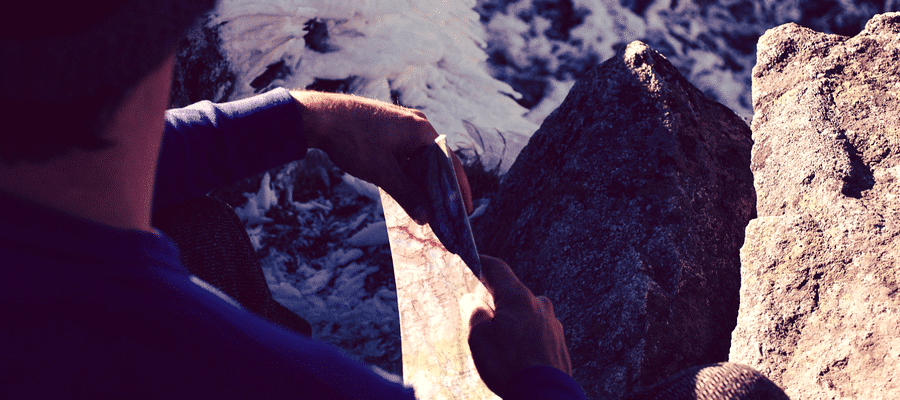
{"x": 480, "y": 316}
{"x": 469, "y": 303}
{"x": 506, "y": 289}
{"x": 484, "y": 348}
{"x": 409, "y": 195}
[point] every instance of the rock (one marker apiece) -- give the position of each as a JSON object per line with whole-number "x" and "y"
{"x": 627, "y": 209}
{"x": 820, "y": 299}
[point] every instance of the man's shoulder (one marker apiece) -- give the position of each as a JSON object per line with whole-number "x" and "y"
{"x": 83, "y": 322}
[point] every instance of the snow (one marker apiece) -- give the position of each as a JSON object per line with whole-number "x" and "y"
{"x": 316, "y": 282}
{"x": 428, "y": 53}
{"x": 362, "y": 187}
{"x": 486, "y": 73}
{"x": 341, "y": 257}
{"x": 253, "y": 212}
{"x": 481, "y": 206}
{"x": 551, "y": 101}
{"x": 330, "y": 266}
{"x": 312, "y": 205}
{"x": 349, "y": 285}
{"x": 372, "y": 235}
{"x": 711, "y": 42}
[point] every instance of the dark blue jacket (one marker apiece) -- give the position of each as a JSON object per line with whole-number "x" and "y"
{"x": 91, "y": 311}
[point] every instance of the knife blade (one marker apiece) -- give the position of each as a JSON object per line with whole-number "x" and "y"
{"x": 433, "y": 170}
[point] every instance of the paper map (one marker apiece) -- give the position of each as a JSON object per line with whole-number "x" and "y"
{"x": 435, "y": 289}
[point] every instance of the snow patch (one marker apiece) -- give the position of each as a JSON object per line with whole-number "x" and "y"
{"x": 362, "y": 187}
{"x": 551, "y": 101}
{"x": 375, "y": 234}
{"x": 425, "y": 53}
{"x": 254, "y": 211}
{"x": 313, "y": 205}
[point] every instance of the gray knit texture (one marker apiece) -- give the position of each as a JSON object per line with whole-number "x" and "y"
{"x": 722, "y": 381}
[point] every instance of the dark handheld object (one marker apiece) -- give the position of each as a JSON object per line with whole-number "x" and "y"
{"x": 433, "y": 171}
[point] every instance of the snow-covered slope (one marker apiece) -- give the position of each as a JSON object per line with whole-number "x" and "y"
{"x": 424, "y": 54}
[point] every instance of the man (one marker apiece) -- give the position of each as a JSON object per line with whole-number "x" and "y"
{"x": 95, "y": 302}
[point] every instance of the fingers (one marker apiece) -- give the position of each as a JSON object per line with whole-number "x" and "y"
{"x": 479, "y": 317}
{"x": 506, "y": 288}
{"x": 470, "y": 302}
{"x": 409, "y": 195}
{"x": 415, "y": 134}
{"x": 566, "y": 364}
{"x": 415, "y": 177}
{"x": 490, "y": 363}
{"x": 370, "y": 139}
{"x": 547, "y": 305}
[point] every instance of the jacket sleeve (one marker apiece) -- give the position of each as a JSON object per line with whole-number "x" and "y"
{"x": 207, "y": 145}
{"x": 541, "y": 382}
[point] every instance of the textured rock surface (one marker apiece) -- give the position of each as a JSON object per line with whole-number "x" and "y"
{"x": 627, "y": 209}
{"x": 820, "y": 306}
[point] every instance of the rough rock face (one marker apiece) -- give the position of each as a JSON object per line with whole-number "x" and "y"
{"x": 627, "y": 209}
{"x": 820, "y": 297}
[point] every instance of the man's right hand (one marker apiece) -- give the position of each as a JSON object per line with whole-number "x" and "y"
{"x": 522, "y": 331}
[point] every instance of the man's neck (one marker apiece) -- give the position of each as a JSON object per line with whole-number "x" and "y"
{"x": 82, "y": 184}
{"x": 113, "y": 186}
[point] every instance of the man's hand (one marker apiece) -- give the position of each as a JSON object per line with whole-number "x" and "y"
{"x": 372, "y": 140}
{"x": 522, "y": 331}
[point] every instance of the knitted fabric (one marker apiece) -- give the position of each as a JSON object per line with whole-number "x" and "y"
{"x": 722, "y": 381}
{"x": 214, "y": 246}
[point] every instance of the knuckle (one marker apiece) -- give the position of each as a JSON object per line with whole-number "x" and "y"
{"x": 521, "y": 295}
{"x": 414, "y": 124}
{"x": 418, "y": 113}
{"x": 422, "y": 125}
{"x": 545, "y": 305}
{"x": 546, "y": 301}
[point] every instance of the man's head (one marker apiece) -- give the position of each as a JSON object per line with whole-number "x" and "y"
{"x": 66, "y": 68}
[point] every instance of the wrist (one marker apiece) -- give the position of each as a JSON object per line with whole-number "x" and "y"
{"x": 310, "y": 104}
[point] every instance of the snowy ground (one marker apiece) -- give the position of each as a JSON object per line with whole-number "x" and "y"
{"x": 325, "y": 255}
{"x": 317, "y": 231}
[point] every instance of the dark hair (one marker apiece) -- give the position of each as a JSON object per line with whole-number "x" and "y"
{"x": 40, "y": 132}
{"x": 65, "y": 77}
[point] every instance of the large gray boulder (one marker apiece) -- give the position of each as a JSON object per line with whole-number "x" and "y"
{"x": 627, "y": 209}
{"x": 820, "y": 288}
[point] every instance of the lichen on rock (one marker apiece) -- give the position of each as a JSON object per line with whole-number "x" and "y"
{"x": 820, "y": 297}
